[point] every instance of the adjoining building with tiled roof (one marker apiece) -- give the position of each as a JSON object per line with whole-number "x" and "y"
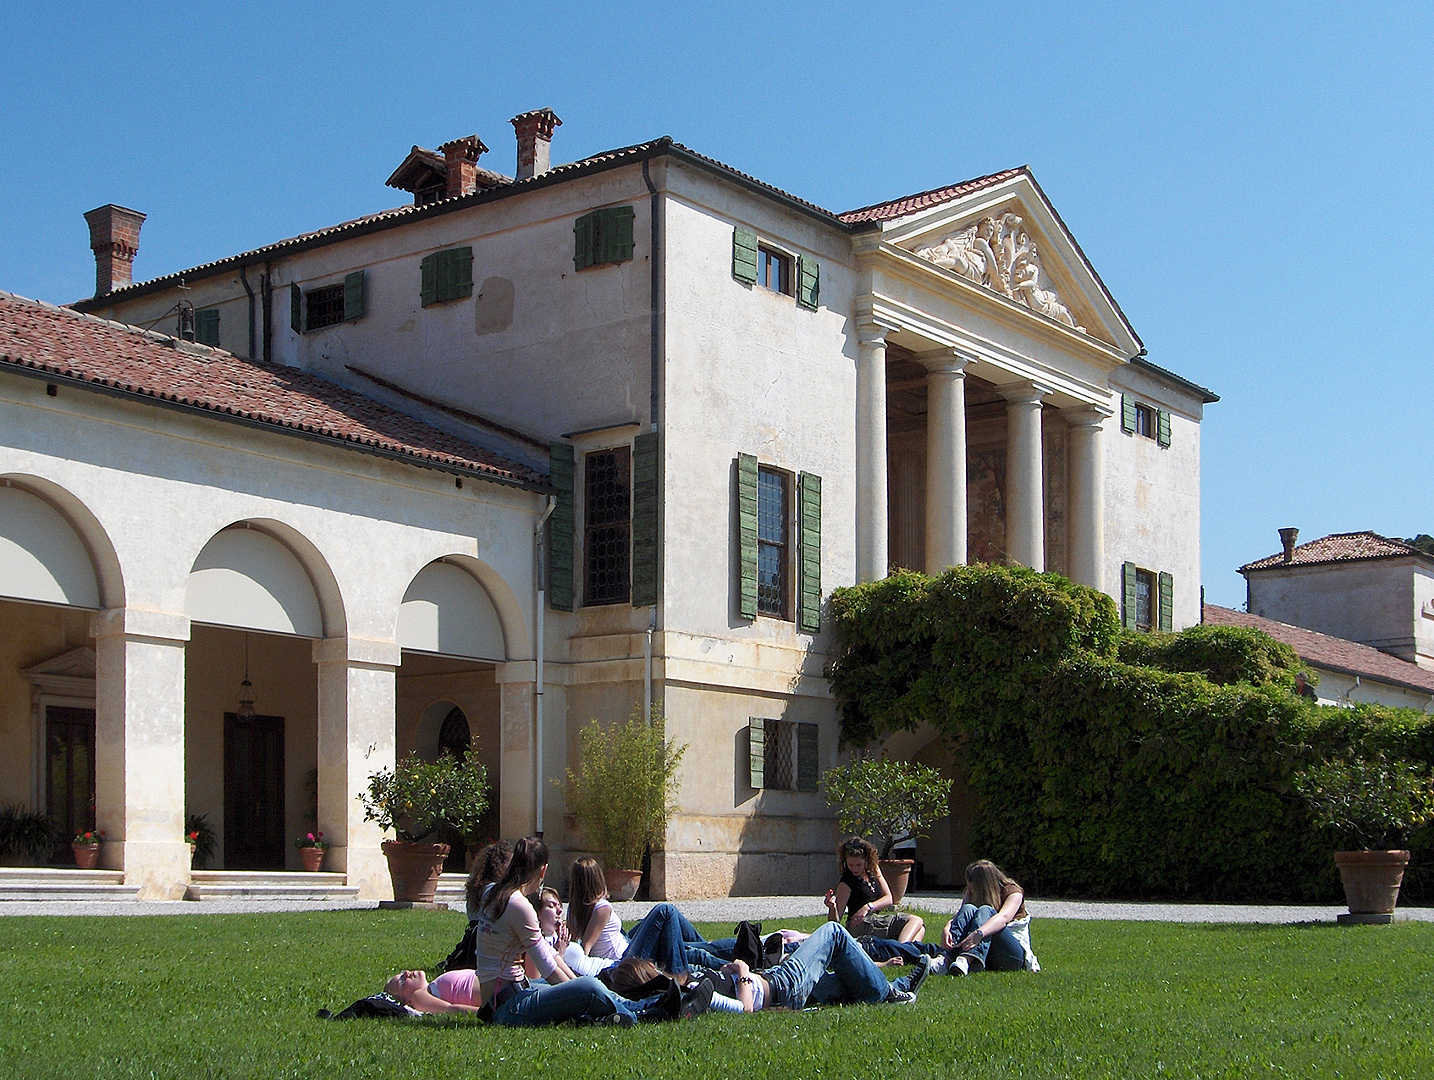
{"x": 1359, "y": 585}
{"x": 739, "y": 401}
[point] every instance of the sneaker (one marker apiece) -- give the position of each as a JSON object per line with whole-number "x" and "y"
{"x": 911, "y": 984}
{"x": 938, "y": 964}
{"x": 697, "y": 1000}
{"x": 961, "y": 965}
{"x": 899, "y": 997}
{"x": 619, "y": 1019}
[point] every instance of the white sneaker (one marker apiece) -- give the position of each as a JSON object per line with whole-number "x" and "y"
{"x": 960, "y": 966}
{"x": 938, "y": 964}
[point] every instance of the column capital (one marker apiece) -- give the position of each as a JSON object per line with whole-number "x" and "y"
{"x": 1087, "y": 416}
{"x": 1024, "y": 392}
{"x": 871, "y": 332}
{"x": 950, "y": 361}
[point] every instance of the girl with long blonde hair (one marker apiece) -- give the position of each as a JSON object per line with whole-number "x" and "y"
{"x": 993, "y": 928}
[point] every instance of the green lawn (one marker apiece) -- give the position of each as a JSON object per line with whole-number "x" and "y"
{"x": 234, "y": 996}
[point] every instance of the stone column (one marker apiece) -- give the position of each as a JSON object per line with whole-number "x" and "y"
{"x": 945, "y": 462}
{"x": 871, "y": 496}
{"x": 139, "y": 748}
{"x": 517, "y": 806}
{"x": 1087, "y": 495}
{"x": 357, "y": 737}
{"x": 1025, "y": 513}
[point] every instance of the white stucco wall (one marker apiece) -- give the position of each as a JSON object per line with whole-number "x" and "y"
{"x": 1337, "y": 688}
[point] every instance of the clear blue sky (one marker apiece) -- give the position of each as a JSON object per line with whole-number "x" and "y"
{"x": 1251, "y": 181}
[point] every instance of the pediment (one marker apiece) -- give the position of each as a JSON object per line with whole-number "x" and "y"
{"x": 70, "y": 673}
{"x": 1011, "y": 242}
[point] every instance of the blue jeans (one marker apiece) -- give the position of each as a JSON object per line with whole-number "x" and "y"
{"x": 829, "y": 967}
{"x": 910, "y": 951}
{"x": 999, "y": 953}
{"x": 572, "y": 1000}
{"x": 669, "y": 940}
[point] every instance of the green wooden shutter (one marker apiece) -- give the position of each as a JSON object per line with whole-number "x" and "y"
{"x": 353, "y": 296}
{"x": 1167, "y": 602}
{"x": 809, "y": 281}
{"x": 744, "y": 255}
{"x": 614, "y": 235}
{"x": 645, "y": 502}
{"x": 1162, "y": 431}
{"x": 562, "y": 464}
{"x": 296, "y": 308}
{"x": 462, "y": 273}
{"x": 1127, "y": 413}
{"x": 1127, "y": 573}
{"x": 807, "y": 761}
{"x": 809, "y": 511}
{"x": 757, "y": 753}
{"x": 584, "y": 241}
{"x": 428, "y": 287}
{"x": 747, "y": 533}
{"x": 206, "y": 326}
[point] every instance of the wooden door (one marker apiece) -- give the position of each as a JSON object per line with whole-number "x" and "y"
{"x": 70, "y": 773}
{"x": 254, "y": 793}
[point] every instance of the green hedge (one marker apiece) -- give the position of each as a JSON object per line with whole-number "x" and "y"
{"x": 1106, "y": 763}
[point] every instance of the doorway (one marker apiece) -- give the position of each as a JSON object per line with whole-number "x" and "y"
{"x": 254, "y": 793}
{"x": 69, "y": 773}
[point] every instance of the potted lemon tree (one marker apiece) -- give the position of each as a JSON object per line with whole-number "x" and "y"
{"x": 623, "y": 794}
{"x": 1372, "y": 802}
{"x": 413, "y": 800}
{"x": 888, "y": 800}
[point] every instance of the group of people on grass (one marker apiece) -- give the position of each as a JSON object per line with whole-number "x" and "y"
{"x": 533, "y": 966}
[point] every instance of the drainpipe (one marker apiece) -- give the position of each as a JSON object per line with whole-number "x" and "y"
{"x": 244, "y": 280}
{"x": 539, "y": 630}
{"x": 647, "y": 668}
{"x": 266, "y": 287}
{"x": 655, "y": 374}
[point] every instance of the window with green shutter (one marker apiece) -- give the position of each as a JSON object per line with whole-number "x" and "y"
{"x": 747, "y": 534}
{"x": 1162, "y": 431}
{"x": 783, "y": 755}
{"x": 446, "y": 275}
{"x": 809, "y": 515}
{"x": 744, "y": 255}
{"x": 809, "y": 280}
{"x": 562, "y": 466}
{"x": 646, "y": 479}
{"x": 353, "y": 296}
{"x": 602, "y": 237}
{"x": 1167, "y": 602}
{"x": 206, "y": 326}
{"x": 1138, "y": 418}
{"x": 1147, "y": 598}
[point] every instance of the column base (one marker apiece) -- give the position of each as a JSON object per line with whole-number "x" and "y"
{"x": 160, "y": 871}
{"x": 365, "y": 868}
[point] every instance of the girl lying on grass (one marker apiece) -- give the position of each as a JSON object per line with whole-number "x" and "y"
{"x": 993, "y": 928}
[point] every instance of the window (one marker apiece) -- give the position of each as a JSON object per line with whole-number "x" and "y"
{"x": 446, "y": 275}
{"x": 773, "y": 559}
{"x": 206, "y": 326}
{"x": 1149, "y": 599}
{"x": 782, "y": 755}
{"x": 1138, "y": 418}
{"x": 774, "y": 270}
{"x": 328, "y": 305}
{"x": 603, "y": 236}
{"x": 607, "y": 526}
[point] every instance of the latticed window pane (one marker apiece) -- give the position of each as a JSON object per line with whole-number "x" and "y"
{"x": 1144, "y": 589}
{"x": 772, "y": 543}
{"x": 778, "y": 766}
{"x": 607, "y": 548}
{"x": 454, "y": 736}
{"x": 326, "y": 306}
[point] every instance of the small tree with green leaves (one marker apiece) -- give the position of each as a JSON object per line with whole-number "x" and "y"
{"x": 415, "y": 797}
{"x": 1372, "y": 801}
{"x": 886, "y": 799}
{"x": 625, "y": 790}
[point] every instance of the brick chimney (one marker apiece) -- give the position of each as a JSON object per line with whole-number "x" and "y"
{"x": 114, "y": 236}
{"x": 1289, "y": 538}
{"x": 461, "y": 156}
{"x": 535, "y": 140}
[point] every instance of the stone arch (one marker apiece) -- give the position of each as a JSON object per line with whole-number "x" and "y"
{"x": 427, "y": 733}
{"x": 53, "y": 549}
{"x": 459, "y": 606}
{"x": 262, "y": 574}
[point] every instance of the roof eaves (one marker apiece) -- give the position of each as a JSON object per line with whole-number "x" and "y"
{"x": 1207, "y": 396}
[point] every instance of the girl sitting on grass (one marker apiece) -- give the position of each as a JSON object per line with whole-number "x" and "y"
{"x": 488, "y": 867}
{"x": 993, "y": 928}
{"x": 592, "y": 922}
{"x": 865, "y": 898}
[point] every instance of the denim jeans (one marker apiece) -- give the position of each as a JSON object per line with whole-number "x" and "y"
{"x": 910, "y": 951}
{"x": 577, "y": 998}
{"x": 669, "y": 940}
{"x": 1001, "y": 952}
{"x": 829, "y": 967}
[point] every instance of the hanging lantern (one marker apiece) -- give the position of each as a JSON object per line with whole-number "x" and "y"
{"x": 246, "y": 689}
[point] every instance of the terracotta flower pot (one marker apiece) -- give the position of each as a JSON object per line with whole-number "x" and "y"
{"x": 87, "y": 856}
{"x": 414, "y": 869}
{"x": 312, "y": 858}
{"x": 1371, "y": 879}
{"x": 622, "y": 884}
{"x": 898, "y": 875}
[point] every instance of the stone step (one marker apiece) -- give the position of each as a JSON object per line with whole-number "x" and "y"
{"x": 53, "y": 883}
{"x": 271, "y": 885}
{"x": 450, "y": 888}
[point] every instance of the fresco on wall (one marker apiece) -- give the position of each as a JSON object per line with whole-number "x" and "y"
{"x": 986, "y": 504}
{"x": 1054, "y": 479}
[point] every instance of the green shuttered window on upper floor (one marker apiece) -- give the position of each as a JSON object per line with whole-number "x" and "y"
{"x": 744, "y": 255}
{"x": 446, "y": 275}
{"x": 1147, "y": 599}
{"x": 768, "y": 561}
{"x": 603, "y": 236}
{"x": 752, "y": 264}
{"x": 206, "y": 326}
{"x": 809, "y": 282}
{"x": 1138, "y": 418}
{"x": 327, "y": 305}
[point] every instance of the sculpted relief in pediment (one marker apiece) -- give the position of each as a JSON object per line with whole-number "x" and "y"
{"x": 998, "y": 252}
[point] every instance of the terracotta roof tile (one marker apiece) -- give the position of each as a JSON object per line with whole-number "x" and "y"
{"x": 141, "y": 363}
{"x": 1331, "y": 653}
{"x": 1338, "y": 547}
{"x": 910, "y": 204}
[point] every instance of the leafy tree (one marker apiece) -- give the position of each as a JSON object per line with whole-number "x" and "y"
{"x": 887, "y": 799}
{"x": 1424, "y": 542}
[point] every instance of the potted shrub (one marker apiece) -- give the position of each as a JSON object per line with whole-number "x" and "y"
{"x": 27, "y": 837}
{"x": 887, "y": 800}
{"x": 1372, "y": 803}
{"x": 623, "y": 794}
{"x": 413, "y": 800}
{"x": 312, "y": 846}
{"x": 201, "y": 839}
{"x": 86, "y": 846}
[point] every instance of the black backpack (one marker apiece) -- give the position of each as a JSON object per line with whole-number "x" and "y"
{"x": 464, "y": 954}
{"x": 749, "y": 944}
{"x": 376, "y": 1005}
